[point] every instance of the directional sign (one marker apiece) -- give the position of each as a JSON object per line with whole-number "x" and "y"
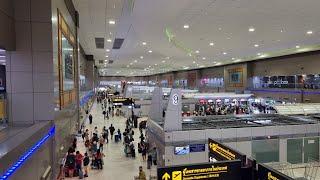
{"x": 221, "y": 152}
{"x": 226, "y": 170}
{"x": 166, "y": 176}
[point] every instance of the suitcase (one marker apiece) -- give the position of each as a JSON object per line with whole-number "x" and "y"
{"x": 116, "y": 138}
{"x": 81, "y": 176}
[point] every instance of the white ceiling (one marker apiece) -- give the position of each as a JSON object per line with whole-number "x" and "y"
{"x": 280, "y": 26}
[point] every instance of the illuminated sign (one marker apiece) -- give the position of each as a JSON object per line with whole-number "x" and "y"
{"x": 175, "y": 99}
{"x": 267, "y": 173}
{"x": 220, "y": 152}
{"x": 124, "y": 101}
{"x": 226, "y": 170}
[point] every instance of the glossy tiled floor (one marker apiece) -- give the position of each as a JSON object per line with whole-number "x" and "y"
{"x": 116, "y": 165}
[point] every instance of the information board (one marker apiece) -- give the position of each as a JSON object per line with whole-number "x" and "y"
{"x": 220, "y": 152}
{"x": 226, "y": 170}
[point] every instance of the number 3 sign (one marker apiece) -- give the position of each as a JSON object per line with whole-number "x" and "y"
{"x": 175, "y": 99}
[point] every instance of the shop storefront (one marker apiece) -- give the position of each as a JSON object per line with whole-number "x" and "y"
{"x": 310, "y": 81}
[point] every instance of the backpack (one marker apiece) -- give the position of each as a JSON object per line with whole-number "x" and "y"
{"x": 86, "y": 161}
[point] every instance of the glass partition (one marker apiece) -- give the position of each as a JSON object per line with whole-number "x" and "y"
{"x": 265, "y": 150}
{"x": 294, "y": 150}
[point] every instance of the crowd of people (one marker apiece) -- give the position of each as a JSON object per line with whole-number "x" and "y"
{"x": 77, "y": 164}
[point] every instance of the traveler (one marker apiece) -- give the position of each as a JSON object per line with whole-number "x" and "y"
{"x": 95, "y": 132}
{"x": 90, "y": 119}
{"x": 104, "y": 114}
{"x": 70, "y": 163}
{"x": 101, "y": 141}
{"x": 86, "y": 162}
{"x": 149, "y": 161}
{"x": 142, "y": 174}
{"x": 105, "y": 134}
{"x": 99, "y": 155}
{"x": 119, "y": 134}
{"x": 144, "y": 151}
{"x": 79, "y": 158}
{"x": 111, "y": 129}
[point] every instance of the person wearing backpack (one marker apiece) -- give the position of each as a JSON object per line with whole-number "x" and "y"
{"x": 86, "y": 161}
{"x": 70, "y": 163}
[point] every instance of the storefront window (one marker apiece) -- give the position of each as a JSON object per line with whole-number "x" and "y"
{"x": 212, "y": 82}
{"x": 295, "y": 81}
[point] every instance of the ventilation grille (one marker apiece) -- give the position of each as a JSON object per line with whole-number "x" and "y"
{"x": 99, "y": 43}
{"x": 110, "y": 61}
{"x": 100, "y": 61}
{"x": 117, "y": 43}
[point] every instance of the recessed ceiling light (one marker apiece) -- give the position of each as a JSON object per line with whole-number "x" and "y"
{"x": 259, "y": 54}
{"x": 256, "y": 45}
{"x": 214, "y": 62}
{"x": 106, "y": 60}
{"x": 309, "y": 32}
{"x": 251, "y": 29}
{"x": 211, "y": 44}
{"x": 193, "y": 62}
{"x": 225, "y": 53}
{"x": 109, "y": 40}
{"x": 128, "y": 66}
{"x": 135, "y": 61}
{"x": 163, "y": 61}
{"x": 197, "y": 51}
{"x": 107, "y": 56}
{"x": 112, "y": 22}
{"x": 201, "y": 66}
{"x": 118, "y": 72}
{"x": 156, "y": 64}
{"x": 108, "y": 50}
{"x": 233, "y": 58}
{"x": 150, "y": 51}
{"x": 141, "y": 57}
{"x": 149, "y": 66}
{"x": 144, "y": 43}
{"x": 220, "y": 28}
{"x": 131, "y": 63}
{"x": 297, "y": 47}
{"x": 186, "y": 26}
{"x": 204, "y": 58}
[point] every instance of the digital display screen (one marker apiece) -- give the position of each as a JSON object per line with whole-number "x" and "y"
{"x": 182, "y": 150}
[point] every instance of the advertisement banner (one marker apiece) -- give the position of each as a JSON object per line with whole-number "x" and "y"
{"x": 226, "y": 170}
{"x": 220, "y": 152}
{"x": 267, "y": 173}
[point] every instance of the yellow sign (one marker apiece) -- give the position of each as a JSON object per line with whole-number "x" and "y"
{"x": 166, "y": 176}
{"x": 221, "y": 151}
{"x": 176, "y": 175}
{"x": 271, "y": 177}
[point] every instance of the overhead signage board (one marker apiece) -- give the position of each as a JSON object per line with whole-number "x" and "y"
{"x": 220, "y": 152}
{"x": 226, "y": 170}
{"x": 124, "y": 101}
{"x": 267, "y": 173}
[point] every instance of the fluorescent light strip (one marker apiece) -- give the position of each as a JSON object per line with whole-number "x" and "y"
{"x": 27, "y": 155}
